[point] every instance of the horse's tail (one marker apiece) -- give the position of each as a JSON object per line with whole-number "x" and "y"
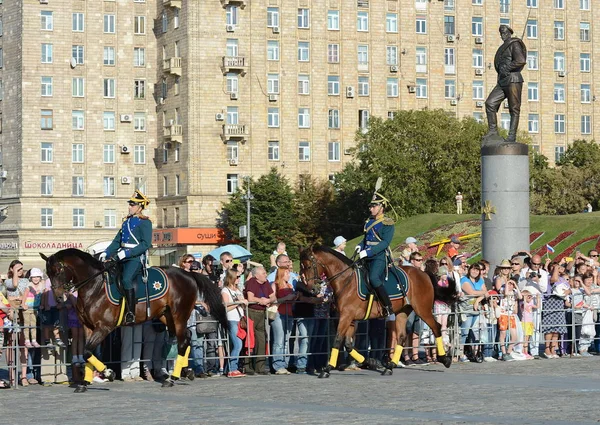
{"x": 212, "y": 298}
{"x": 446, "y": 294}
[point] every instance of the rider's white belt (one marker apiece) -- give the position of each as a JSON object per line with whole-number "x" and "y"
{"x": 128, "y": 245}
{"x": 372, "y": 243}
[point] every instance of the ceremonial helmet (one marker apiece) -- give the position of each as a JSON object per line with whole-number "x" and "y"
{"x": 139, "y": 198}
{"x": 378, "y": 198}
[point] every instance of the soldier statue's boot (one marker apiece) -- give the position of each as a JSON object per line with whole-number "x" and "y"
{"x": 384, "y": 299}
{"x": 512, "y": 132}
{"x": 492, "y": 131}
{"x": 131, "y": 300}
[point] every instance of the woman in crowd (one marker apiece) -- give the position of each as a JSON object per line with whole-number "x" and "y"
{"x": 502, "y": 276}
{"x": 473, "y": 287}
{"x": 32, "y": 303}
{"x": 441, "y": 310}
{"x": 209, "y": 269}
{"x": 185, "y": 262}
{"x": 231, "y": 294}
{"x": 553, "y": 317}
{"x": 284, "y": 320}
{"x": 507, "y": 322}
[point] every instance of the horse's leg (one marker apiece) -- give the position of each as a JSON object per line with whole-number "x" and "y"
{"x": 343, "y": 326}
{"x": 400, "y": 327}
{"x": 183, "y": 348}
{"x": 426, "y": 313}
{"x": 94, "y": 338}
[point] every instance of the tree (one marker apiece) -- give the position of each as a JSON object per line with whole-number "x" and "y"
{"x": 312, "y": 207}
{"x": 581, "y": 154}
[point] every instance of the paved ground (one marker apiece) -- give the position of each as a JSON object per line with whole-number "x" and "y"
{"x": 528, "y": 392}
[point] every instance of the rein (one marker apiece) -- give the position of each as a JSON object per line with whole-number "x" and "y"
{"x": 70, "y": 285}
{"x": 315, "y": 265}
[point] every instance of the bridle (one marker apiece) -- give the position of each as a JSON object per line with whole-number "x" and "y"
{"x": 315, "y": 268}
{"x": 70, "y": 285}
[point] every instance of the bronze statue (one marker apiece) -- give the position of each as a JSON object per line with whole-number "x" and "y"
{"x": 510, "y": 59}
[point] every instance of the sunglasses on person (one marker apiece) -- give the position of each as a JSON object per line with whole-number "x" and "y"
{"x": 443, "y": 264}
{"x": 418, "y": 259}
{"x": 228, "y": 261}
{"x": 188, "y": 261}
{"x": 594, "y": 255}
{"x": 536, "y": 264}
{"x": 515, "y": 264}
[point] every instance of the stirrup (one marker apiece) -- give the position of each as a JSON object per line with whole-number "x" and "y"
{"x": 129, "y": 319}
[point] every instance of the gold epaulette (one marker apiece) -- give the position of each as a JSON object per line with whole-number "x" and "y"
{"x": 388, "y": 221}
{"x": 143, "y": 217}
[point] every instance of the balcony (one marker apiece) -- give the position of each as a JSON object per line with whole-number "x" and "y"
{"x": 235, "y": 132}
{"x": 172, "y": 3}
{"x": 172, "y": 66}
{"x": 173, "y": 132}
{"x": 240, "y": 3}
{"x": 234, "y": 63}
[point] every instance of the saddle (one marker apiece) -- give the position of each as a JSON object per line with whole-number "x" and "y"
{"x": 157, "y": 286}
{"x": 396, "y": 283}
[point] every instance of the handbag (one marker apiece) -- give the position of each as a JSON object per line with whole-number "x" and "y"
{"x": 272, "y": 312}
{"x": 206, "y": 324}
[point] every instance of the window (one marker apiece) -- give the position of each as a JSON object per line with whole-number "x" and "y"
{"x": 46, "y": 86}
{"x": 139, "y": 89}
{"x": 449, "y": 60}
{"x": 559, "y": 123}
{"x": 533, "y": 123}
{"x": 333, "y": 53}
{"x": 421, "y": 59}
{"x": 532, "y": 92}
{"x": 47, "y": 217}
{"x": 109, "y": 186}
{"x": 584, "y": 31}
{"x": 272, "y": 17}
{"x": 164, "y": 22}
{"x": 273, "y": 151}
{"x": 363, "y": 119}
{"x": 47, "y": 20}
{"x": 139, "y": 25}
{"x": 303, "y": 51}
{"x": 231, "y": 15}
{"x": 532, "y": 60}
{"x": 584, "y": 4}
{"x": 108, "y": 154}
{"x": 449, "y": 25}
{"x": 46, "y": 119}
{"x": 78, "y": 120}
{"x": 559, "y": 30}
{"x": 231, "y": 82}
{"x": 109, "y": 24}
{"x": 46, "y": 53}
{"x": 108, "y": 120}
{"x": 477, "y": 58}
{"x": 333, "y": 151}
{"x": 333, "y": 119}
{"x": 177, "y": 193}
{"x": 421, "y": 25}
{"x": 477, "y": 26}
{"x": 77, "y": 153}
{"x": 559, "y": 93}
{"x": 333, "y": 20}
{"x": 77, "y": 186}
{"x": 586, "y": 124}
{"x": 303, "y": 84}
{"x": 450, "y": 89}
{"x": 449, "y": 5}
{"x": 421, "y": 87}
{"x": 78, "y": 22}
{"x": 392, "y": 87}
{"x": 163, "y": 88}
{"x": 304, "y": 151}
{"x": 303, "y": 118}
{"x": 109, "y": 55}
{"x": 559, "y": 4}
{"x": 333, "y": 85}
{"x": 559, "y": 61}
{"x": 78, "y": 87}
{"x": 47, "y": 185}
{"x": 532, "y": 28}
{"x": 139, "y": 154}
{"x": 391, "y": 22}
{"x": 363, "y": 86}
{"x": 273, "y": 117}
{"x": 273, "y": 83}
{"x": 232, "y": 150}
{"x": 231, "y": 48}
{"x": 176, "y": 17}
{"x": 165, "y": 152}
{"x": 504, "y": 6}
{"x": 139, "y": 56}
{"x": 109, "y": 87}
{"x": 273, "y": 50}
{"x": 139, "y": 121}
{"x": 232, "y": 115}
{"x": 586, "y": 93}
{"x": 584, "y": 62}
{"x": 362, "y": 21}
{"x": 363, "y": 54}
{"x": 478, "y": 90}
{"x": 110, "y": 219}
{"x": 303, "y": 18}
{"x": 559, "y": 152}
{"x": 391, "y": 55}
{"x": 477, "y": 2}
{"x": 505, "y": 120}
{"x": 47, "y": 152}
{"x": 77, "y": 54}
{"x": 532, "y": 3}
{"x": 232, "y": 183}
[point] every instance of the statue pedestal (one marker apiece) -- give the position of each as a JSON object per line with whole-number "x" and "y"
{"x": 504, "y": 199}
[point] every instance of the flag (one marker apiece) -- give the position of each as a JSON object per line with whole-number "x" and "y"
{"x": 549, "y": 248}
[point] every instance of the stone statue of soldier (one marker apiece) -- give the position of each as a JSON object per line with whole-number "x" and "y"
{"x": 510, "y": 59}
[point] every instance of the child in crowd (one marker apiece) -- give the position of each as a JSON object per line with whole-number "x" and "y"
{"x": 507, "y": 320}
{"x": 441, "y": 310}
{"x": 278, "y": 251}
{"x": 528, "y": 305}
{"x": 32, "y": 303}
{"x": 50, "y": 316}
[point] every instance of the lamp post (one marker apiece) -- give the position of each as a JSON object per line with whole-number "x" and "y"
{"x": 248, "y": 197}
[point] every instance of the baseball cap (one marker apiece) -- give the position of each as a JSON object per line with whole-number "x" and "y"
{"x": 339, "y": 240}
{"x": 35, "y": 272}
{"x": 454, "y": 239}
{"x": 410, "y": 239}
{"x": 457, "y": 262}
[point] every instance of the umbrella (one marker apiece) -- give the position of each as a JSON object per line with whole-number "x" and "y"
{"x": 236, "y": 251}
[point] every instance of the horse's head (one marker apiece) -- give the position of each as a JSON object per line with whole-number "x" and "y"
{"x": 68, "y": 268}
{"x": 320, "y": 265}
{"x": 60, "y": 275}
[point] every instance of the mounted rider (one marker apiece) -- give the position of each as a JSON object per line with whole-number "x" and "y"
{"x": 379, "y": 231}
{"x": 130, "y": 247}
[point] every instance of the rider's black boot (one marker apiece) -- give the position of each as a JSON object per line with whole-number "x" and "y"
{"x": 384, "y": 299}
{"x": 131, "y": 300}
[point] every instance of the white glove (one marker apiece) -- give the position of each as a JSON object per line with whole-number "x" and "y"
{"x": 102, "y": 257}
{"x": 121, "y": 254}
{"x": 357, "y": 248}
{"x": 362, "y": 254}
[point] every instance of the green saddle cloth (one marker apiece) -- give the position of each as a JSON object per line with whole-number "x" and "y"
{"x": 395, "y": 288}
{"x": 158, "y": 286}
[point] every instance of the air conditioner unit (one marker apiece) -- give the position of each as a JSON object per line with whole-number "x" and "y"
{"x": 561, "y": 73}
{"x": 479, "y": 104}
{"x": 450, "y": 38}
{"x": 453, "y": 102}
{"x": 478, "y": 71}
{"x": 349, "y": 91}
{"x": 506, "y": 104}
{"x": 478, "y": 40}
{"x": 3, "y": 174}
{"x": 230, "y": 28}
{"x": 233, "y": 96}
{"x": 161, "y": 100}
{"x": 272, "y": 98}
{"x": 125, "y": 118}
{"x": 394, "y": 68}
{"x": 125, "y": 180}
{"x": 233, "y": 161}
{"x": 347, "y": 151}
{"x": 275, "y": 30}
{"x": 412, "y": 89}
{"x": 170, "y": 123}
{"x": 97, "y": 223}
{"x": 43, "y": 1}
{"x": 124, "y": 149}
{"x": 219, "y": 117}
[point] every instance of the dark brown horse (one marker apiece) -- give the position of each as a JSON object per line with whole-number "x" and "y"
{"x": 74, "y": 269}
{"x": 321, "y": 264}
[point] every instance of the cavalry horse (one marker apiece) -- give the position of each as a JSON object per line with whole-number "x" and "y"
{"x": 72, "y": 269}
{"x": 322, "y": 265}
